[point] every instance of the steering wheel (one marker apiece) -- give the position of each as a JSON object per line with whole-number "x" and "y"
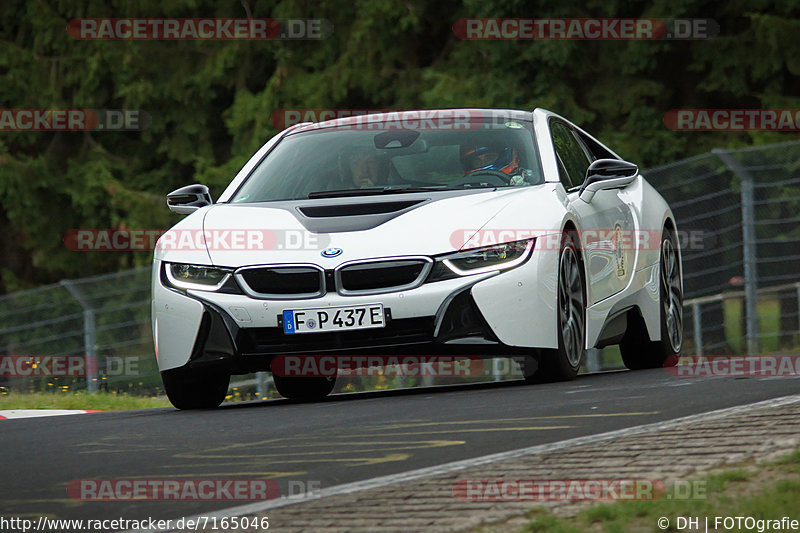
{"x": 496, "y": 178}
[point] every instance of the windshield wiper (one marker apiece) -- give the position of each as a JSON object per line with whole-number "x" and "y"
{"x": 373, "y": 191}
{"x": 475, "y": 186}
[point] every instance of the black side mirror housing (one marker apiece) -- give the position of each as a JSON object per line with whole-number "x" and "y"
{"x": 606, "y": 174}
{"x": 189, "y": 199}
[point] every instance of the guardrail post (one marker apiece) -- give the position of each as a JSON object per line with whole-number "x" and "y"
{"x": 593, "y": 360}
{"x": 698, "y": 328}
{"x": 262, "y": 387}
{"x": 797, "y": 286}
{"x": 89, "y": 340}
{"x": 749, "y": 246}
{"x": 497, "y": 369}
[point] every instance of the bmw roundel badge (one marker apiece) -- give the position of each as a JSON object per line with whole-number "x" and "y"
{"x": 331, "y": 252}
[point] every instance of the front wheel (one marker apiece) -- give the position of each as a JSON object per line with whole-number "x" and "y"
{"x": 304, "y": 388}
{"x": 193, "y": 389}
{"x": 563, "y": 363}
{"x": 638, "y": 351}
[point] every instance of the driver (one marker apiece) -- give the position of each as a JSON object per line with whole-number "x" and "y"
{"x": 488, "y": 157}
{"x": 365, "y": 168}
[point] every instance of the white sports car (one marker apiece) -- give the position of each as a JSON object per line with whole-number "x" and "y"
{"x": 472, "y": 232}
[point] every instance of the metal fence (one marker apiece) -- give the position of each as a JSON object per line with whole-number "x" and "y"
{"x": 738, "y": 214}
{"x": 106, "y": 318}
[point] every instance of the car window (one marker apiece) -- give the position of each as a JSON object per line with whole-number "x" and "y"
{"x": 437, "y": 161}
{"x": 563, "y": 175}
{"x": 570, "y": 152}
{"x": 595, "y": 149}
{"x": 392, "y": 155}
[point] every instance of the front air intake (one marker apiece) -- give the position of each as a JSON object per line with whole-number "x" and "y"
{"x": 385, "y": 275}
{"x": 294, "y": 281}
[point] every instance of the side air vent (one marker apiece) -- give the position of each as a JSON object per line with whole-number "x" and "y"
{"x": 349, "y": 210}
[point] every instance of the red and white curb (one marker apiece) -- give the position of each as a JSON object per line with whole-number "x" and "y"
{"x": 33, "y": 413}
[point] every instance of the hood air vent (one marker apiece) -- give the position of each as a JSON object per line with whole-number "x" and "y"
{"x": 350, "y": 210}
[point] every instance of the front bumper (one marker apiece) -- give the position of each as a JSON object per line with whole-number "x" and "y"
{"x": 491, "y": 314}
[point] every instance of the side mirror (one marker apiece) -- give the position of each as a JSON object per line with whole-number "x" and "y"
{"x": 606, "y": 174}
{"x": 189, "y": 199}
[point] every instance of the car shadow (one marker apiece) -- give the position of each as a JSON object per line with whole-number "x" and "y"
{"x": 412, "y": 391}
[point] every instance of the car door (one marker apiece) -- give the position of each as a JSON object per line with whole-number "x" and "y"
{"x": 606, "y": 223}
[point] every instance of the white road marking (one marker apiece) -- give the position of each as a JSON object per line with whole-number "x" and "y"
{"x": 34, "y": 413}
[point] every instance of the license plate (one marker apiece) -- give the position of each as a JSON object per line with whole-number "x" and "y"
{"x": 334, "y": 318}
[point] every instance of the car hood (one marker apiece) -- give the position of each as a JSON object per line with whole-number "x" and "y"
{"x": 250, "y": 234}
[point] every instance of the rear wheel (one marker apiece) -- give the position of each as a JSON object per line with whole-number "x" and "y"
{"x": 195, "y": 389}
{"x": 563, "y": 363}
{"x": 304, "y": 388}
{"x": 637, "y": 350}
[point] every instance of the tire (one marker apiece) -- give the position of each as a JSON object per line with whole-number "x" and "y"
{"x": 195, "y": 389}
{"x": 563, "y": 363}
{"x": 638, "y": 351}
{"x": 304, "y": 388}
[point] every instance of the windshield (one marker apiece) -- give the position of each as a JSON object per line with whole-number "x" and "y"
{"x": 389, "y": 158}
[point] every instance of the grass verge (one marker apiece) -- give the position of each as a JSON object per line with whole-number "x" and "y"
{"x": 767, "y": 491}
{"x": 99, "y": 401}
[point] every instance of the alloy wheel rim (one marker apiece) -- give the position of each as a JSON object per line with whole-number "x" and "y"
{"x": 673, "y": 303}
{"x": 570, "y": 299}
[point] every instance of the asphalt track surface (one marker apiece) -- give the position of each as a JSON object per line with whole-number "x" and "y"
{"x": 343, "y": 439}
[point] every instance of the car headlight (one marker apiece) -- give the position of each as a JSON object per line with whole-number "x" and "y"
{"x": 485, "y": 259}
{"x": 199, "y": 277}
